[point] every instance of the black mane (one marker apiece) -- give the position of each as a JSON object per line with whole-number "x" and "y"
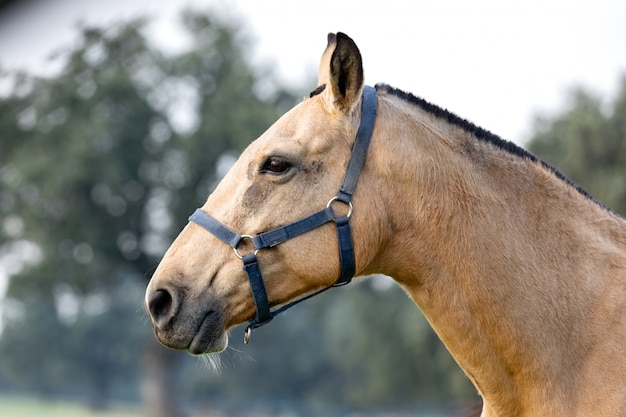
{"x": 481, "y": 134}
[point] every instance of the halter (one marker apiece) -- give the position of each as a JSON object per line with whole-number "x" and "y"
{"x": 281, "y": 234}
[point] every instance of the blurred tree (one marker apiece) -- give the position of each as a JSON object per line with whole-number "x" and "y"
{"x": 587, "y": 142}
{"x": 99, "y": 168}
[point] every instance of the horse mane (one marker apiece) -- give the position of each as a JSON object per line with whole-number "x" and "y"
{"x": 483, "y": 135}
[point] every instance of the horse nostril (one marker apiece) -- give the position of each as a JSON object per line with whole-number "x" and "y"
{"x": 160, "y": 304}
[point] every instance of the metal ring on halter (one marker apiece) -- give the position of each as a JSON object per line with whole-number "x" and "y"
{"x": 240, "y": 239}
{"x": 246, "y": 335}
{"x": 335, "y": 198}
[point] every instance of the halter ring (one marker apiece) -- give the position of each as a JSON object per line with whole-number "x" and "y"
{"x": 240, "y": 256}
{"x": 348, "y": 203}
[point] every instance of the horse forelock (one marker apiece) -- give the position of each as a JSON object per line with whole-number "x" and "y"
{"x": 317, "y": 91}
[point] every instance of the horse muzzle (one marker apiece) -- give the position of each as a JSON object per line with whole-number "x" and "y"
{"x": 185, "y": 325}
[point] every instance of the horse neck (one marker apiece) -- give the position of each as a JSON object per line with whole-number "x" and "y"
{"x": 498, "y": 252}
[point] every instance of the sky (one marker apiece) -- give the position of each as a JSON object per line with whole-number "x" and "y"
{"x": 496, "y": 63}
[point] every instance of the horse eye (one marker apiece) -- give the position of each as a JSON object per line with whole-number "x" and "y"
{"x": 275, "y": 165}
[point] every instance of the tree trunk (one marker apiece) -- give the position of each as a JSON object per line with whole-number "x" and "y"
{"x": 158, "y": 382}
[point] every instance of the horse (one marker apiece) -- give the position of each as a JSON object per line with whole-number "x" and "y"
{"x": 520, "y": 272}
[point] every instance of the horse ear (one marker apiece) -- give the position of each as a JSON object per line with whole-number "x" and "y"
{"x": 341, "y": 69}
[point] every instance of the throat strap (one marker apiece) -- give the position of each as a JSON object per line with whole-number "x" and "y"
{"x": 281, "y": 234}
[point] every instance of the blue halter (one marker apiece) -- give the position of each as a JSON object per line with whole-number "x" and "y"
{"x": 274, "y": 237}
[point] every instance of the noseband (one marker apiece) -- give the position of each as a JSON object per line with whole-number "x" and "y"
{"x": 279, "y": 235}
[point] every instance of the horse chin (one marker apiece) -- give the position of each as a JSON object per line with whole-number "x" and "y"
{"x": 201, "y": 345}
{"x": 210, "y": 337}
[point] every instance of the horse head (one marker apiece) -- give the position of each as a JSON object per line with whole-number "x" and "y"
{"x": 200, "y": 290}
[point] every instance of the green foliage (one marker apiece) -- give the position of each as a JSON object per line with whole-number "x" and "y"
{"x": 97, "y": 175}
{"x": 587, "y": 142}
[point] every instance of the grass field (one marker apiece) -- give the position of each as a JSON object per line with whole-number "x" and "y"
{"x": 33, "y": 407}
{"x": 24, "y": 406}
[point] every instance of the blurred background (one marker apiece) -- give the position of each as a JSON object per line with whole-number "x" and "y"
{"x": 118, "y": 118}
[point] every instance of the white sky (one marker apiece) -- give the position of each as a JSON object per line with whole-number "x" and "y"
{"x": 493, "y": 62}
